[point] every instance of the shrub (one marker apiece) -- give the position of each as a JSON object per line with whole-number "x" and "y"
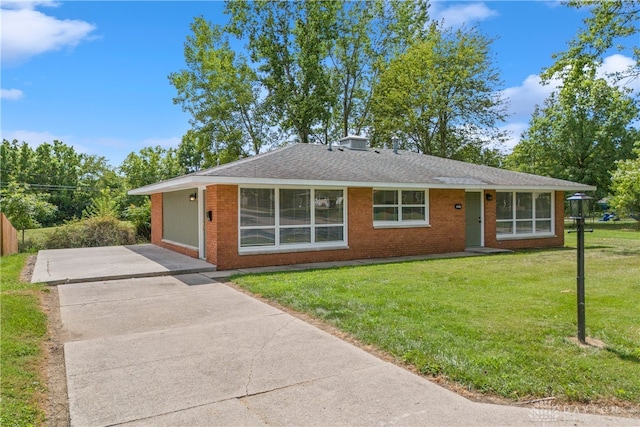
{"x": 91, "y": 232}
{"x": 140, "y": 216}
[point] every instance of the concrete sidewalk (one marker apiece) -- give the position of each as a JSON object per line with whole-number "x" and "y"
{"x": 185, "y": 350}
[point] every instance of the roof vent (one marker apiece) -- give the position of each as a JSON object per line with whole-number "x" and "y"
{"x": 354, "y": 142}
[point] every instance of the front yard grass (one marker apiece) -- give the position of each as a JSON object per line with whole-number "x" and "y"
{"x": 23, "y": 328}
{"x": 498, "y": 325}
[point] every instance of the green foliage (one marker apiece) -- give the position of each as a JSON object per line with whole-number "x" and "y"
{"x": 68, "y": 178}
{"x": 150, "y": 165}
{"x": 102, "y": 205}
{"x": 24, "y": 210}
{"x": 91, "y": 232}
{"x": 24, "y": 328}
{"x": 625, "y": 186}
{"x": 579, "y": 134}
{"x": 140, "y": 217}
{"x": 439, "y": 97}
{"x": 290, "y": 41}
{"x": 498, "y": 324}
{"x": 587, "y": 125}
{"x": 308, "y": 78}
{"x": 222, "y": 94}
{"x": 610, "y": 23}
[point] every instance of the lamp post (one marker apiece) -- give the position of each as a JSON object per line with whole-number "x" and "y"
{"x": 576, "y": 204}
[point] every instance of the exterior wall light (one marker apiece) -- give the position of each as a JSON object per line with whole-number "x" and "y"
{"x": 488, "y": 197}
{"x": 193, "y": 197}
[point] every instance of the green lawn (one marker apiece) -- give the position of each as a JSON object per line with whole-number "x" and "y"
{"x": 496, "y": 324}
{"x": 23, "y": 329}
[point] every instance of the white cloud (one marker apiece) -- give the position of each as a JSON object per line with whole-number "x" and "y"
{"x": 27, "y": 32}
{"x": 523, "y": 99}
{"x": 27, "y": 4}
{"x": 618, "y": 64}
{"x": 460, "y": 14}
{"x": 11, "y": 94}
{"x": 514, "y": 130}
{"x": 33, "y": 138}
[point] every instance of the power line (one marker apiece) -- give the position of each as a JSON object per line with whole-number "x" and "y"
{"x": 52, "y": 187}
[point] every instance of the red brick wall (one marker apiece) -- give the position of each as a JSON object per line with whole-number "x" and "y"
{"x": 222, "y": 231}
{"x": 156, "y": 218}
{"x": 490, "y": 240}
{"x": 446, "y": 233}
{"x": 193, "y": 253}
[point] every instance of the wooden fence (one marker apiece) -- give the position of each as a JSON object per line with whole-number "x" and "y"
{"x": 8, "y": 237}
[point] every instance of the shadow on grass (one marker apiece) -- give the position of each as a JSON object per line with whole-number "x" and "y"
{"x": 624, "y": 356}
{"x": 540, "y": 250}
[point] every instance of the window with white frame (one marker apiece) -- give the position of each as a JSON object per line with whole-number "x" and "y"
{"x": 291, "y": 217}
{"x": 398, "y": 207}
{"x": 524, "y": 214}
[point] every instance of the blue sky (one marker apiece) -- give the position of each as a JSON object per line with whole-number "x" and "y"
{"x": 93, "y": 74}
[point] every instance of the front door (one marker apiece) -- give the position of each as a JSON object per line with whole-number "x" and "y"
{"x": 473, "y": 219}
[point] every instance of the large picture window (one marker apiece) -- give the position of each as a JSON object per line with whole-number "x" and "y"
{"x": 399, "y": 207}
{"x": 291, "y": 217}
{"x": 524, "y": 214}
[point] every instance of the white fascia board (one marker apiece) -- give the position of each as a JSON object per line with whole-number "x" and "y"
{"x": 203, "y": 181}
{"x": 182, "y": 183}
{"x": 576, "y": 187}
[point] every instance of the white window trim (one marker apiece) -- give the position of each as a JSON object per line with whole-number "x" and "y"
{"x": 514, "y": 220}
{"x": 400, "y": 223}
{"x": 302, "y": 247}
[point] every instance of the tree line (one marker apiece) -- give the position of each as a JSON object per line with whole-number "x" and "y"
{"x": 53, "y": 183}
{"x": 313, "y": 72}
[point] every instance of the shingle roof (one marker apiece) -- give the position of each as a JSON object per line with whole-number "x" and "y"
{"x": 317, "y": 165}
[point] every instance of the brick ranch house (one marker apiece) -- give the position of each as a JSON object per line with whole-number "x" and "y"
{"x": 307, "y": 203}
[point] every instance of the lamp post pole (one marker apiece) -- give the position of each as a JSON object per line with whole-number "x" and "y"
{"x": 577, "y": 213}
{"x": 580, "y": 280}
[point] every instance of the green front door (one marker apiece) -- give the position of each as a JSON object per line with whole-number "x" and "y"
{"x": 473, "y": 219}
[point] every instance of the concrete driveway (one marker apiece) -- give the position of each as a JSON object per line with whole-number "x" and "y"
{"x": 185, "y": 350}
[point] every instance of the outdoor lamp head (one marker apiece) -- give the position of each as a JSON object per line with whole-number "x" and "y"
{"x": 577, "y": 206}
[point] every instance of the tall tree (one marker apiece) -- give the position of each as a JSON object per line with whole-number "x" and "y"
{"x": 309, "y": 76}
{"x": 194, "y": 151}
{"x": 150, "y": 165}
{"x": 579, "y": 134}
{"x": 440, "y": 97}
{"x": 369, "y": 35}
{"x": 587, "y": 124}
{"x": 16, "y": 162}
{"x": 352, "y": 63}
{"x": 610, "y": 22}
{"x": 222, "y": 93}
{"x": 290, "y": 41}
